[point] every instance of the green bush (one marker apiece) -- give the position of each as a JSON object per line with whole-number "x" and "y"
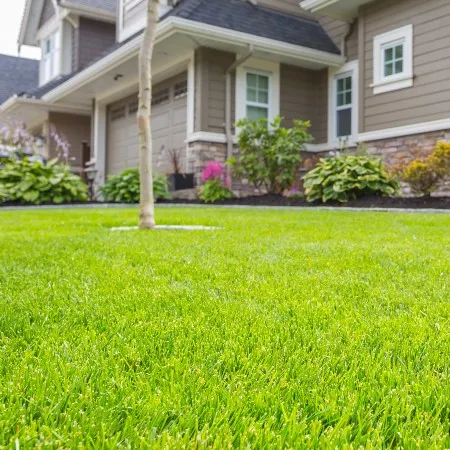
{"x": 36, "y": 182}
{"x": 215, "y": 191}
{"x": 424, "y": 175}
{"x": 269, "y": 153}
{"x": 348, "y": 177}
{"x": 125, "y": 188}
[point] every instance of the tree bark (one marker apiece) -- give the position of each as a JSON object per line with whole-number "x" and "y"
{"x": 146, "y": 216}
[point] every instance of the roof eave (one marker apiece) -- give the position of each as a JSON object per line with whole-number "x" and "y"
{"x": 339, "y": 9}
{"x": 175, "y": 24}
{"x": 87, "y": 11}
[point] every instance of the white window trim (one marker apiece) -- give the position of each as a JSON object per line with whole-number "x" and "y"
{"x": 382, "y": 84}
{"x": 259, "y": 67}
{"x": 58, "y": 28}
{"x": 353, "y": 68}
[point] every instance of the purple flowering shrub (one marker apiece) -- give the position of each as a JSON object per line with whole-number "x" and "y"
{"x": 25, "y": 177}
{"x": 216, "y": 184}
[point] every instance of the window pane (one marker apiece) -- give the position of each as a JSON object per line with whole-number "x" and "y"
{"x": 399, "y": 52}
{"x": 251, "y": 94}
{"x": 263, "y": 82}
{"x": 388, "y": 69}
{"x": 399, "y": 66}
{"x": 255, "y": 112}
{"x": 348, "y": 83}
{"x": 340, "y": 85}
{"x": 348, "y": 98}
{"x": 263, "y": 96}
{"x": 340, "y": 99}
{"x": 344, "y": 123}
{"x": 252, "y": 80}
{"x": 389, "y": 54}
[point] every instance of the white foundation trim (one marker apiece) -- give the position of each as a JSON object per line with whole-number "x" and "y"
{"x": 407, "y": 130}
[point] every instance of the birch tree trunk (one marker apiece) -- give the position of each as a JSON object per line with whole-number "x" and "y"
{"x": 146, "y": 216}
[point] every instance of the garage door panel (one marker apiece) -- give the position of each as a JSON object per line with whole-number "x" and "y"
{"x": 168, "y": 126}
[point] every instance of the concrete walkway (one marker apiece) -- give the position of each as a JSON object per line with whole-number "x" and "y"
{"x": 182, "y": 205}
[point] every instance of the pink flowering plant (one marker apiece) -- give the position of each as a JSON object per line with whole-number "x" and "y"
{"x": 216, "y": 184}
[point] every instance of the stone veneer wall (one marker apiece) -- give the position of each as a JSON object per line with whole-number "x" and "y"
{"x": 405, "y": 149}
{"x": 393, "y": 151}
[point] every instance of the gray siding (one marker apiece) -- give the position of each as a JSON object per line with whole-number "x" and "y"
{"x": 211, "y": 66}
{"x": 76, "y": 129}
{"x": 93, "y": 38}
{"x": 303, "y": 96}
{"x": 337, "y": 29}
{"x": 48, "y": 11}
{"x": 429, "y": 99}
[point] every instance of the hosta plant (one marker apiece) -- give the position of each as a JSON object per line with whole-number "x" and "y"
{"x": 125, "y": 188}
{"x": 347, "y": 178}
{"x": 35, "y": 182}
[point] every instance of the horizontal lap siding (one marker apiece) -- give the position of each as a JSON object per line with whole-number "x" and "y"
{"x": 303, "y": 96}
{"x": 337, "y": 29}
{"x": 211, "y": 66}
{"x": 429, "y": 98}
{"x": 76, "y": 129}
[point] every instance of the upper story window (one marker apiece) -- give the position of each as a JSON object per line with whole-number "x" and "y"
{"x": 51, "y": 57}
{"x": 257, "y": 104}
{"x": 393, "y": 60}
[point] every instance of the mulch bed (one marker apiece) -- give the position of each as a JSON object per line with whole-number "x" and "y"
{"x": 276, "y": 200}
{"x": 365, "y": 202}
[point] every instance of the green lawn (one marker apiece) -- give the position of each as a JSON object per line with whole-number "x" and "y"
{"x": 284, "y": 329}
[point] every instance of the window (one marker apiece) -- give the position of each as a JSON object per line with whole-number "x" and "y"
{"x": 344, "y": 105}
{"x": 133, "y": 107}
{"x": 180, "y": 89}
{"x": 257, "y": 103}
{"x": 118, "y": 113}
{"x": 51, "y": 57}
{"x": 161, "y": 96}
{"x": 393, "y": 60}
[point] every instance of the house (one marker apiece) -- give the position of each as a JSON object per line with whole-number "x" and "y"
{"x": 17, "y": 75}
{"x": 364, "y": 71}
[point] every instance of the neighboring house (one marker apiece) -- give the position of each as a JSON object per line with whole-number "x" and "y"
{"x": 358, "y": 70}
{"x": 17, "y": 75}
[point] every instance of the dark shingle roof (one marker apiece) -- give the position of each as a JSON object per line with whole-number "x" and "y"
{"x": 241, "y": 15}
{"x": 237, "y": 15}
{"x": 105, "y": 5}
{"x": 17, "y": 75}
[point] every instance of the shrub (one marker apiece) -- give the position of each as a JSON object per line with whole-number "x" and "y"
{"x": 348, "y": 177}
{"x": 216, "y": 188}
{"x": 125, "y": 188}
{"x": 269, "y": 153}
{"x": 28, "y": 181}
{"x": 425, "y": 174}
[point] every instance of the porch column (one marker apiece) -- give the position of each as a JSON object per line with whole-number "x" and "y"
{"x": 47, "y": 137}
{"x": 99, "y": 147}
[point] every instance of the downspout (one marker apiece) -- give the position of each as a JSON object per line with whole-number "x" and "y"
{"x": 350, "y": 29}
{"x": 228, "y": 73}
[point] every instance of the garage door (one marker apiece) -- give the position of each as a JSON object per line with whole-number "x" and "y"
{"x": 169, "y": 114}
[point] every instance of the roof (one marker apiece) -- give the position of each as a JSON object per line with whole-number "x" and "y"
{"x": 104, "y": 5}
{"x": 236, "y": 15}
{"x": 17, "y": 75}
{"x": 242, "y": 16}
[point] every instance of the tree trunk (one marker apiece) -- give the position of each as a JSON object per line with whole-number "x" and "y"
{"x": 147, "y": 216}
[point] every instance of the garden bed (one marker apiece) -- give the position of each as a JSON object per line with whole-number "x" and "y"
{"x": 278, "y": 200}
